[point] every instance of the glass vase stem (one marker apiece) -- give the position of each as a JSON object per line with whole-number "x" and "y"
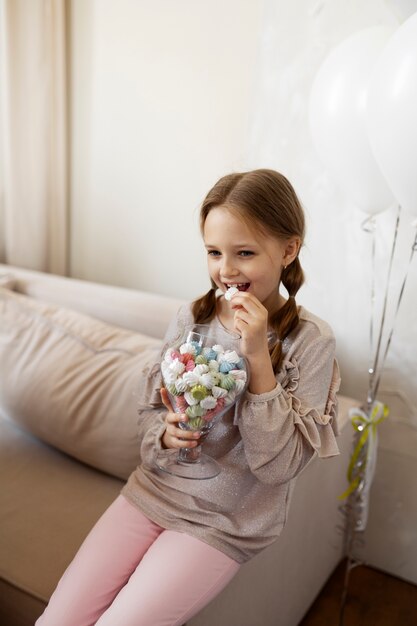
{"x": 189, "y": 455}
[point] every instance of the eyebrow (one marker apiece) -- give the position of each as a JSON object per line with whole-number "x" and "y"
{"x": 239, "y": 245}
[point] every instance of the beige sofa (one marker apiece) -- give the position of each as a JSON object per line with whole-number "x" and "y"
{"x": 70, "y": 357}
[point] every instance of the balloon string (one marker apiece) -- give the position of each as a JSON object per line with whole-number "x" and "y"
{"x": 371, "y": 338}
{"x": 413, "y": 249}
{"x": 369, "y": 226}
{"x": 371, "y": 396}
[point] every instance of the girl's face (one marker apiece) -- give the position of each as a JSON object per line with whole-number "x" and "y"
{"x": 245, "y": 258}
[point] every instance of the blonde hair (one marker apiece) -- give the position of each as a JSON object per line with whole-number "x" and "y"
{"x": 264, "y": 199}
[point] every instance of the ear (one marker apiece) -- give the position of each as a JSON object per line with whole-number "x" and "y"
{"x": 291, "y": 250}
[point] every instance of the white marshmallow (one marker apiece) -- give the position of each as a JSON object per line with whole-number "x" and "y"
{"x": 232, "y": 291}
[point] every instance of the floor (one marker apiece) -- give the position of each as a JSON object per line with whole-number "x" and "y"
{"x": 374, "y": 599}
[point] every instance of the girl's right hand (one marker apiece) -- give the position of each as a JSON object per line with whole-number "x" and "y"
{"x": 175, "y": 437}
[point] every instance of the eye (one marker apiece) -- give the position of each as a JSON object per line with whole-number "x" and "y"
{"x": 246, "y": 253}
{"x": 213, "y": 252}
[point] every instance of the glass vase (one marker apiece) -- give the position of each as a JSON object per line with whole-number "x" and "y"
{"x": 203, "y": 380}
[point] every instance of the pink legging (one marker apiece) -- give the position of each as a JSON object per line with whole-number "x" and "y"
{"x": 131, "y": 572}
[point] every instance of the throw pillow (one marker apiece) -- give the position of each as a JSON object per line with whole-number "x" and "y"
{"x": 72, "y": 380}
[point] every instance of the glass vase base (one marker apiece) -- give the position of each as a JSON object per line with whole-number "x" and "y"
{"x": 203, "y": 469}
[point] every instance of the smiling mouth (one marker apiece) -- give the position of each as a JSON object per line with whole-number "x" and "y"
{"x": 240, "y": 286}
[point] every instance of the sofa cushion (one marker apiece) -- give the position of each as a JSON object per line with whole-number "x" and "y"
{"x": 48, "y": 504}
{"x": 7, "y": 281}
{"x": 71, "y": 380}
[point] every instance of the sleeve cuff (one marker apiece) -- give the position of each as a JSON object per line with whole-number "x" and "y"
{"x": 264, "y": 397}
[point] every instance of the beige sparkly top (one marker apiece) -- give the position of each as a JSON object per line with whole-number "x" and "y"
{"x": 262, "y": 444}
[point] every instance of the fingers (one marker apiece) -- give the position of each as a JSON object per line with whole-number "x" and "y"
{"x": 175, "y": 437}
{"x": 165, "y": 399}
{"x": 249, "y": 312}
{"x": 178, "y": 438}
{"x": 243, "y": 316}
{"x": 251, "y": 323}
{"x": 240, "y": 326}
{"x": 247, "y": 301}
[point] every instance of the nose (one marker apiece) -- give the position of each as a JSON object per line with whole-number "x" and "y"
{"x": 228, "y": 269}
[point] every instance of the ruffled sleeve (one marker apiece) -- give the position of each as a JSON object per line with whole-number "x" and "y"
{"x": 151, "y": 411}
{"x": 151, "y": 415}
{"x": 284, "y": 428}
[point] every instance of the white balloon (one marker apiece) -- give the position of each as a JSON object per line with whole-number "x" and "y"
{"x": 392, "y": 113}
{"x": 337, "y": 110}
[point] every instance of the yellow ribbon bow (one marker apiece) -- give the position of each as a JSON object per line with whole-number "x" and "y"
{"x": 365, "y": 423}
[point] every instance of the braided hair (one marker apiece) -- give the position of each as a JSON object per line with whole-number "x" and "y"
{"x": 264, "y": 199}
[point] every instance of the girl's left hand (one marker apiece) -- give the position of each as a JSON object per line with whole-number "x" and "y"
{"x": 251, "y": 322}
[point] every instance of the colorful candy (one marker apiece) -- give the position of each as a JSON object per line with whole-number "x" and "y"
{"x": 203, "y": 381}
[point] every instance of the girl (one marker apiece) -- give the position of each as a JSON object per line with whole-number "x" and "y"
{"x": 168, "y": 545}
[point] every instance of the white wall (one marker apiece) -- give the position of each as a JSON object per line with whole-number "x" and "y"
{"x": 160, "y": 108}
{"x": 2, "y": 220}
{"x": 170, "y": 95}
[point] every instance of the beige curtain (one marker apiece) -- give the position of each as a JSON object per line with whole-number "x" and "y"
{"x": 34, "y": 134}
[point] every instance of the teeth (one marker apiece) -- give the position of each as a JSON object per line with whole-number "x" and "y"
{"x": 235, "y": 284}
